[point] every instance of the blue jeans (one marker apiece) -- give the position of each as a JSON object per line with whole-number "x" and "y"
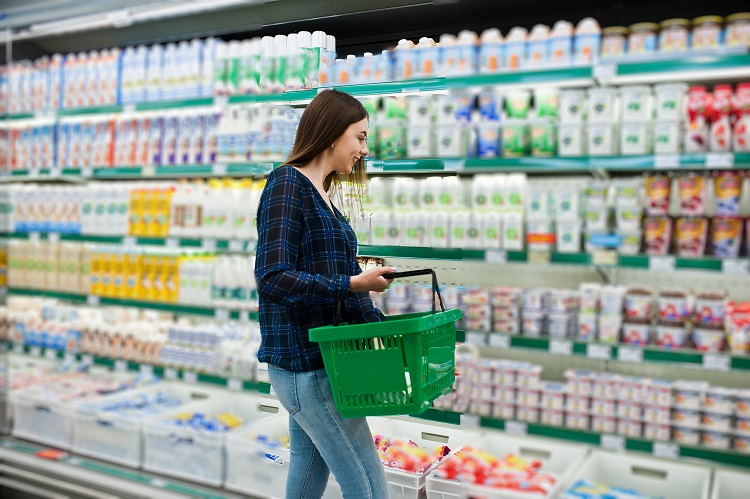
{"x": 322, "y": 441}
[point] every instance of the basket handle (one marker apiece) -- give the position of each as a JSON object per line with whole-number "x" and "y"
{"x": 415, "y": 273}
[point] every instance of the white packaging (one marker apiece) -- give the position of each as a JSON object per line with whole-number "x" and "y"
{"x": 602, "y": 105}
{"x": 571, "y": 140}
{"x": 419, "y": 109}
{"x": 513, "y": 238}
{"x": 667, "y": 137}
{"x": 451, "y": 141}
{"x": 567, "y": 203}
{"x": 459, "y": 224}
{"x": 154, "y": 76}
{"x": 602, "y": 139}
{"x": 538, "y": 206}
{"x": 635, "y": 138}
{"x": 636, "y": 103}
{"x": 572, "y": 106}
{"x": 568, "y": 236}
{"x": 419, "y": 142}
{"x": 491, "y": 230}
{"x": 670, "y": 101}
{"x": 439, "y": 229}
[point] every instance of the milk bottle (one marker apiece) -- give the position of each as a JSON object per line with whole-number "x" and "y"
{"x": 538, "y": 46}
{"x": 491, "y": 51}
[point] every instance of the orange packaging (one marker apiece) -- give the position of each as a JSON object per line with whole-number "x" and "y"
{"x": 690, "y": 236}
{"x": 726, "y": 237}
{"x": 657, "y": 235}
{"x": 658, "y": 188}
{"x": 692, "y": 194}
{"x": 728, "y": 188}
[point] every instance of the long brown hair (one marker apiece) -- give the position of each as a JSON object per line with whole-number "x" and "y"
{"x": 324, "y": 120}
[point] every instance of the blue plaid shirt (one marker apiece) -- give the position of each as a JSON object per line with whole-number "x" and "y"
{"x": 306, "y": 255}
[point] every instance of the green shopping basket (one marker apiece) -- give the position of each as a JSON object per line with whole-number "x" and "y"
{"x": 398, "y": 366}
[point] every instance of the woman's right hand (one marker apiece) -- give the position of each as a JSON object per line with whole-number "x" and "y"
{"x": 371, "y": 280}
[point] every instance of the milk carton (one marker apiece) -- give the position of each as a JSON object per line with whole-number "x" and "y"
{"x": 154, "y": 75}
{"x": 561, "y": 44}
{"x": 516, "y": 48}
{"x": 588, "y": 41}
{"x": 448, "y": 54}
{"x": 538, "y": 46}
{"x": 406, "y": 60}
{"x": 491, "y": 51}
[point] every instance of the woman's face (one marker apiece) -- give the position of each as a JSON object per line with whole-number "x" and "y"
{"x": 350, "y": 147}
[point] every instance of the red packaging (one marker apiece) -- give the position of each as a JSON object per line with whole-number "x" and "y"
{"x": 690, "y": 236}
{"x": 657, "y": 234}
{"x": 698, "y": 103}
{"x": 720, "y": 135}
{"x": 658, "y": 188}
{"x": 692, "y": 192}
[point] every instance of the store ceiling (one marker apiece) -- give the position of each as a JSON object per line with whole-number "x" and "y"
{"x": 358, "y": 25}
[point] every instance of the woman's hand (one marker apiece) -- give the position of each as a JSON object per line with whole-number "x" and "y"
{"x": 371, "y": 280}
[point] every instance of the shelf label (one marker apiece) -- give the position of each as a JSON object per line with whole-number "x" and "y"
{"x": 221, "y": 100}
{"x": 53, "y": 237}
{"x": 720, "y": 160}
{"x": 35, "y": 352}
{"x": 170, "y": 373}
{"x": 50, "y": 354}
{"x": 87, "y": 360}
{"x": 87, "y": 172}
{"x": 499, "y": 340}
{"x": 33, "y": 172}
{"x": 496, "y": 256}
{"x": 158, "y": 482}
{"x": 454, "y": 165}
{"x": 121, "y": 365}
{"x": 92, "y": 300}
{"x": 471, "y": 421}
{"x": 516, "y": 428}
{"x": 475, "y": 338}
{"x": 148, "y": 171}
{"x": 128, "y": 108}
{"x": 666, "y": 161}
{"x": 190, "y": 376}
{"x": 666, "y": 449}
{"x": 34, "y": 237}
{"x": 237, "y": 246}
{"x": 17, "y": 348}
{"x": 732, "y": 266}
{"x": 221, "y": 314}
{"x": 661, "y": 263}
{"x": 69, "y": 357}
{"x": 73, "y": 461}
{"x": 604, "y": 257}
{"x": 219, "y": 169}
{"x": 374, "y": 167}
{"x": 612, "y": 442}
{"x": 598, "y": 351}
{"x": 538, "y": 257}
{"x": 717, "y": 362}
{"x": 172, "y": 242}
{"x": 235, "y": 384}
{"x": 129, "y": 241}
{"x": 209, "y": 245}
{"x": 146, "y": 369}
{"x": 605, "y": 72}
{"x": 561, "y": 347}
{"x": 629, "y": 354}
{"x": 244, "y": 316}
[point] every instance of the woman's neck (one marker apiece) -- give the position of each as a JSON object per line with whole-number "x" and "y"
{"x": 317, "y": 170}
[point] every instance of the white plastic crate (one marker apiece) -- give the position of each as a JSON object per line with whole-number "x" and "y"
{"x": 430, "y": 436}
{"x": 199, "y": 455}
{"x": 557, "y": 458}
{"x": 730, "y": 484}
{"x": 117, "y": 437}
{"x": 646, "y": 475}
{"x": 256, "y": 468}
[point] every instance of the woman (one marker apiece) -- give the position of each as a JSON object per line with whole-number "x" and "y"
{"x": 306, "y": 269}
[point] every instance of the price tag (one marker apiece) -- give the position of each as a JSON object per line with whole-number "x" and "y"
{"x": 237, "y": 246}
{"x": 221, "y": 314}
{"x": 121, "y": 366}
{"x": 470, "y": 421}
{"x": 87, "y": 360}
{"x": 597, "y": 351}
{"x": 129, "y": 241}
{"x": 244, "y": 316}
{"x": 219, "y": 169}
{"x": 475, "y": 338}
{"x": 148, "y": 171}
{"x": 612, "y": 442}
{"x": 661, "y": 263}
{"x": 17, "y": 348}
{"x": 87, "y": 172}
{"x": 158, "y": 482}
{"x": 561, "y": 347}
{"x": 499, "y": 340}
{"x": 34, "y": 237}
{"x": 53, "y": 237}
{"x": 454, "y": 165}
{"x": 221, "y": 100}
{"x": 374, "y": 167}
{"x": 604, "y": 258}
{"x": 128, "y": 108}
{"x": 74, "y": 461}
{"x": 666, "y": 449}
{"x": 716, "y": 362}
{"x": 539, "y": 257}
{"x": 92, "y": 300}
{"x": 720, "y": 160}
{"x": 69, "y": 357}
{"x": 235, "y": 384}
{"x": 666, "y": 161}
{"x": 605, "y": 72}
{"x": 146, "y": 369}
{"x": 629, "y": 354}
{"x": 496, "y": 256}
{"x": 209, "y": 245}
{"x": 170, "y": 373}
{"x": 735, "y": 266}
{"x": 516, "y": 428}
{"x": 172, "y": 242}
{"x": 35, "y": 352}
{"x": 55, "y": 171}
{"x": 190, "y": 377}
{"x": 50, "y": 354}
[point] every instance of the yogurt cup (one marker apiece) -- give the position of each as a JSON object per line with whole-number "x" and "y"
{"x": 602, "y": 105}
{"x": 708, "y": 339}
{"x": 528, "y": 397}
{"x": 709, "y": 307}
{"x": 629, "y": 427}
{"x": 743, "y": 425}
{"x": 687, "y": 435}
{"x": 692, "y": 192}
{"x": 725, "y": 240}
{"x": 660, "y": 432}
{"x": 720, "y": 400}
{"x": 727, "y": 193}
{"x": 488, "y": 140}
{"x": 636, "y": 103}
{"x": 535, "y": 298}
{"x": 716, "y": 439}
{"x": 603, "y": 424}
{"x": 579, "y": 381}
{"x": 506, "y": 394}
{"x": 609, "y": 329}
{"x": 481, "y": 407}
{"x": 572, "y": 106}
{"x": 670, "y": 101}
{"x": 587, "y": 327}
{"x": 636, "y": 332}
{"x": 552, "y": 417}
{"x": 638, "y": 303}
{"x": 502, "y": 410}
{"x": 419, "y": 142}
{"x": 716, "y": 421}
{"x": 560, "y": 325}
{"x": 515, "y": 139}
{"x": 577, "y": 420}
{"x": 630, "y": 241}
{"x": 691, "y": 235}
{"x": 517, "y": 104}
{"x": 603, "y": 407}
{"x": 657, "y": 235}
{"x": 543, "y": 138}
{"x": 614, "y": 42}
{"x": 568, "y": 236}
{"x": 657, "y": 414}
{"x": 630, "y": 410}
{"x": 659, "y": 393}
{"x": 631, "y": 389}
{"x": 673, "y": 305}
{"x": 742, "y": 443}
{"x": 451, "y": 141}
{"x": 553, "y": 395}
{"x": 689, "y": 394}
{"x": 529, "y": 376}
{"x": 668, "y": 137}
{"x": 533, "y": 323}
{"x": 605, "y": 386}
{"x": 506, "y": 375}
{"x": 671, "y": 335}
{"x": 602, "y": 139}
{"x": 577, "y": 404}
{"x": 742, "y": 398}
{"x": 658, "y": 190}
{"x": 528, "y": 413}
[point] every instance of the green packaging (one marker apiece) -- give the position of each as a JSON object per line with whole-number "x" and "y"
{"x": 515, "y": 139}
{"x": 543, "y": 139}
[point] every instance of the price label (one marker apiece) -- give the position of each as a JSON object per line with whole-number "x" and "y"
{"x": 170, "y": 373}
{"x": 561, "y": 347}
{"x": 158, "y": 482}
{"x": 612, "y": 442}
{"x": 221, "y": 100}
{"x": 720, "y": 160}
{"x": 34, "y": 172}
{"x": 735, "y": 266}
{"x": 172, "y": 242}
{"x": 629, "y": 354}
{"x": 470, "y": 421}
{"x": 87, "y": 360}
{"x": 17, "y": 348}
{"x": 128, "y": 108}
{"x": 146, "y": 369}
{"x": 454, "y": 165}
{"x": 50, "y": 354}
{"x": 666, "y": 161}
{"x": 244, "y": 316}
{"x": 661, "y": 263}
{"x": 34, "y": 237}
{"x": 235, "y": 384}
{"x": 604, "y": 258}
{"x": 716, "y": 362}
{"x": 53, "y": 237}
{"x": 92, "y": 300}
{"x": 516, "y": 428}
{"x": 148, "y": 171}
{"x": 209, "y": 245}
{"x": 597, "y": 351}
{"x": 219, "y": 169}
{"x": 666, "y": 449}
{"x": 87, "y": 172}
{"x": 237, "y": 246}
{"x": 496, "y": 256}
{"x": 35, "y": 352}
{"x": 605, "y": 72}
{"x": 221, "y": 314}
{"x": 374, "y": 167}
{"x": 69, "y": 358}
{"x": 190, "y": 377}
{"x": 74, "y": 461}
{"x": 499, "y": 340}
{"x": 129, "y": 241}
{"x": 475, "y": 338}
{"x": 121, "y": 365}
{"x": 539, "y": 257}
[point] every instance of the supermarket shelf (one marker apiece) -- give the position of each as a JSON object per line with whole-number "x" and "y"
{"x": 395, "y": 87}
{"x": 692, "y": 68}
{"x": 219, "y": 313}
{"x": 124, "y": 365}
{"x": 605, "y": 351}
{"x": 207, "y": 244}
{"x": 259, "y": 169}
{"x": 569, "y": 76}
{"x": 174, "y": 104}
{"x": 281, "y": 98}
{"x": 593, "y": 438}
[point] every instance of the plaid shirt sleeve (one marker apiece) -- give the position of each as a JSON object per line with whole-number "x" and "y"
{"x": 362, "y": 308}
{"x": 279, "y": 232}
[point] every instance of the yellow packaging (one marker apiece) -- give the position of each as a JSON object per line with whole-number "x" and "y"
{"x": 118, "y": 275}
{"x": 146, "y": 289}
{"x": 95, "y": 274}
{"x": 171, "y": 279}
{"x": 161, "y": 202}
{"x": 132, "y": 272}
{"x": 84, "y": 269}
{"x": 135, "y": 225}
{"x": 106, "y": 267}
{"x": 159, "y": 283}
{"x": 149, "y": 212}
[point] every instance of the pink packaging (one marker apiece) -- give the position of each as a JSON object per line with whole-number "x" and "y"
{"x": 552, "y": 417}
{"x": 691, "y": 235}
{"x": 629, "y": 427}
{"x": 660, "y": 432}
{"x": 657, "y": 414}
{"x": 502, "y": 410}
{"x": 603, "y": 424}
{"x": 603, "y": 407}
{"x": 720, "y": 138}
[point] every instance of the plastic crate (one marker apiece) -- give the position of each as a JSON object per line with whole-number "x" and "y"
{"x": 430, "y": 436}
{"x": 117, "y": 437}
{"x": 559, "y": 459}
{"x": 650, "y": 476}
{"x": 199, "y": 455}
{"x": 398, "y": 366}
{"x": 730, "y": 484}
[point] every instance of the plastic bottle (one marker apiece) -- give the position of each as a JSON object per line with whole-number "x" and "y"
{"x": 322, "y": 43}
{"x": 561, "y": 44}
{"x": 467, "y": 52}
{"x": 267, "y": 64}
{"x": 367, "y": 68}
{"x": 295, "y": 64}
{"x": 721, "y": 127}
{"x": 242, "y": 210}
{"x": 516, "y": 48}
{"x": 491, "y": 51}
{"x": 427, "y": 55}
{"x": 405, "y": 60}
{"x": 539, "y": 46}
{"x": 588, "y": 41}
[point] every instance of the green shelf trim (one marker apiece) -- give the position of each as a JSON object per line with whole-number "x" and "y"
{"x": 622, "y": 162}
{"x": 75, "y": 111}
{"x": 719, "y": 456}
{"x": 571, "y": 258}
{"x": 633, "y": 261}
{"x": 672, "y": 356}
{"x": 125, "y": 171}
{"x": 183, "y": 170}
{"x": 521, "y": 77}
{"x": 582, "y": 436}
{"x": 639, "y": 445}
{"x": 698, "y": 63}
{"x": 440, "y": 416}
{"x": 390, "y": 87}
{"x": 703, "y": 263}
{"x": 527, "y": 342}
{"x": 529, "y": 164}
{"x": 404, "y": 165}
{"x": 153, "y": 106}
{"x": 296, "y": 95}
{"x": 740, "y": 363}
{"x": 17, "y": 116}
{"x": 411, "y": 252}
{"x": 48, "y": 294}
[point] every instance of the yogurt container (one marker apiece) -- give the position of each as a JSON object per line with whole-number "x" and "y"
{"x": 630, "y": 241}
{"x": 630, "y": 410}
{"x": 742, "y": 398}
{"x": 707, "y": 32}
{"x": 451, "y": 141}
{"x": 656, "y": 414}
{"x": 571, "y": 141}
{"x": 488, "y": 140}
{"x": 572, "y": 106}
{"x": 560, "y": 325}
{"x": 716, "y": 421}
{"x": 481, "y": 407}
{"x": 528, "y": 397}
{"x": 516, "y": 47}
{"x": 692, "y": 193}
{"x": 670, "y": 101}
{"x": 553, "y": 395}
{"x": 605, "y": 386}
{"x": 716, "y": 439}
{"x": 671, "y": 335}
{"x": 603, "y": 407}
{"x": 419, "y": 109}
{"x": 587, "y": 327}
{"x": 603, "y": 424}
{"x": 530, "y": 414}
{"x": 638, "y": 303}
{"x": 538, "y": 46}
{"x": 673, "y": 305}
{"x": 547, "y": 103}
{"x": 629, "y": 427}
{"x": 636, "y": 103}
{"x": 668, "y": 137}
{"x": 490, "y": 104}
{"x": 660, "y": 432}
{"x": 491, "y": 51}
{"x": 587, "y": 42}
{"x": 689, "y": 394}
{"x": 419, "y": 142}
{"x": 609, "y": 329}
{"x": 535, "y": 299}
{"x": 659, "y": 393}
{"x": 568, "y": 236}
{"x": 529, "y": 375}
{"x": 515, "y": 139}
{"x": 742, "y": 443}
{"x": 743, "y": 425}
{"x": 543, "y": 138}
{"x": 552, "y": 417}
{"x": 561, "y": 44}
{"x": 642, "y": 39}
{"x": 737, "y": 32}
{"x": 657, "y": 235}
{"x": 577, "y": 420}
{"x": 674, "y": 35}
{"x": 658, "y": 188}
{"x": 685, "y": 435}
{"x": 636, "y": 332}
{"x": 517, "y": 104}
{"x": 577, "y": 403}
{"x": 602, "y": 105}
{"x": 686, "y": 417}
{"x": 631, "y": 389}
{"x": 709, "y": 307}
{"x": 579, "y": 382}
{"x": 614, "y": 42}
{"x": 602, "y": 139}
{"x": 709, "y": 338}
{"x": 506, "y": 394}
{"x": 727, "y": 193}
{"x": 690, "y": 236}
{"x": 501, "y": 410}
{"x": 636, "y": 138}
